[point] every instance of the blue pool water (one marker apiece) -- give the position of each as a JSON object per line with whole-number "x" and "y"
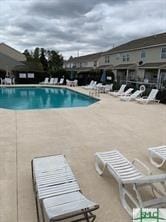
{"x": 23, "y": 98}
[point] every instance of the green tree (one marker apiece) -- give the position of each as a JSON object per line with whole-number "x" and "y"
{"x": 43, "y": 59}
{"x": 28, "y": 55}
{"x": 36, "y": 54}
{"x": 55, "y": 61}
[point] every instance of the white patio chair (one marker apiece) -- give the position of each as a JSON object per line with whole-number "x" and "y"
{"x": 46, "y": 81}
{"x": 55, "y": 81}
{"x": 91, "y": 84}
{"x": 157, "y": 156}
{"x": 61, "y": 81}
{"x": 75, "y": 83}
{"x": 8, "y": 81}
{"x": 127, "y": 92}
{"x": 51, "y": 82}
{"x": 131, "y": 97}
{"x": 68, "y": 82}
{"x": 119, "y": 92}
{"x": 108, "y": 88}
{"x": 131, "y": 180}
{"x": 57, "y": 193}
{"x": 149, "y": 99}
{"x": 13, "y": 81}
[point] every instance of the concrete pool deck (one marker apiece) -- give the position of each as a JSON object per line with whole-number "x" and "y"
{"x": 78, "y": 133}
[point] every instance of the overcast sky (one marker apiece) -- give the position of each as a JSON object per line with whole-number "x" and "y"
{"x": 86, "y": 26}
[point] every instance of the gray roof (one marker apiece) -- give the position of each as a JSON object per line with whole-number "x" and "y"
{"x": 126, "y": 66}
{"x": 85, "y": 58}
{"x": 154, "y": 65}
{"x": 11, "y": 52}
{"x": 158, "y": 39}
{"x": 106, "y": 67}
{"x": 7, "y": 63}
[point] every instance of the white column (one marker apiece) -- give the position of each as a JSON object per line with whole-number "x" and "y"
{"x": 158, "y": 79}
{"x": 127, "y": 75}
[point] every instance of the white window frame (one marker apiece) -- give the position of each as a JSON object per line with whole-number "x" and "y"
{"x": 143, "y": 52}
{"x": 127, "y": 57}
{"x": 163, "y": 53}
{"x": 124, "y": 58}
{"x": 107, "y": 59}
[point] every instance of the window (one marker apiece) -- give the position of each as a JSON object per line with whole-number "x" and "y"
{"x": 127, "y": 57}
{"x": 163, "y": 53}
{"x": 143, "y": 54}
{"x": 124, "y": 58}
{"x": 118, "y": 56}
{"x": 85, "y": 64}
{"x": 107, "y": 59}
{"x": 95, "y": 63}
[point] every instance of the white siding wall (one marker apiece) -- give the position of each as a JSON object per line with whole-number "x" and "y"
{"x": 152, "y": 55}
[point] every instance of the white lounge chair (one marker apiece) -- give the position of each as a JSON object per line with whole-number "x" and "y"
{"x": 127, "y": 92}
{"x": 46, "y": 81}
{"x": 157, "y": 155}
{"x": 51, "y": 81}
{"x": 61, "y": 81}
{"x": 55, "y": 81}
{"x": 58, "y": 195}
{"x": 149, "y": 99}
{"x": 67, "y": 82}
{"x": 131, "y": 97}
{"x": 75, "y": 83}
{"x": 91, "y": 85}
{"x": 131, "y": 180}
{"x": 119, "y": 92}
{"x": 108, "y": 88}
{"x": 104, "y": 88}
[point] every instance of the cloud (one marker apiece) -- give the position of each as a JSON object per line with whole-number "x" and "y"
{"x": 67, "y": 8}
{"x": 71, "y": 25}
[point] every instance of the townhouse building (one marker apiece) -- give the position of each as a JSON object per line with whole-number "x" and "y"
{"x": 141, "y": 61}
{"x": 83, "y": 63}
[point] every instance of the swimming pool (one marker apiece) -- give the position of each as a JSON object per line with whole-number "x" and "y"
{"x": 23, "y": 98}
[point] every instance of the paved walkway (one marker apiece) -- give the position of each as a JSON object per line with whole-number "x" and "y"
{"x": 78, "y": 133}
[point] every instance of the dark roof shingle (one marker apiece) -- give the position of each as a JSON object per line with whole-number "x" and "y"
{"x": 139, "y": 43}
{"x": 86, "y": 58}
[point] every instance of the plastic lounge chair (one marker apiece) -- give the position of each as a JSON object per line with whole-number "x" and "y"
{"x": 150, "y": 98}
{"x": 108, "y": 88}
{"x": 127, "y": 92}
{"x": 75, "y": 83}
{"x": 119, "y": 92}
{"x": 131, "y": 180}
{"x": 91, "y": 85}
{"x": 67, "y": 82}
{"x": 131, "y": 97}
{"x": 51, "y": 81}
{"x": 57, "y": 193}
{"x": 157, "y": 155}
{"x": 61, "y": 81}
{"x": 46, "y": 81}
{"x": 55, "y": 81}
